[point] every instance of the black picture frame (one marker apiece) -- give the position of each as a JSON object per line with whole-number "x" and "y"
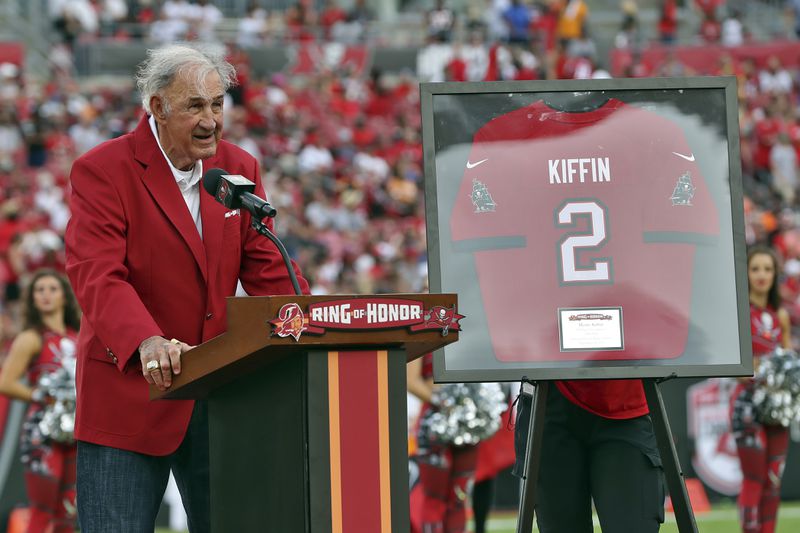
{"x": 705, "y": 109}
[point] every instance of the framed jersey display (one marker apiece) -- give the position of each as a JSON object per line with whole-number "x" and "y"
{"x": 591, "y": 228}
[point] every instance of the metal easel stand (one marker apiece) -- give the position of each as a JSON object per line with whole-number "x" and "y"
{"x": 669, "y": 457}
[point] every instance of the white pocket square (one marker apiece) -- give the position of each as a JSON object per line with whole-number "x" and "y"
{"x": 233, "y": 213}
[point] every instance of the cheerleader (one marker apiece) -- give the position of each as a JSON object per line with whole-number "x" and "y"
{"x": 761, "y": 448}
{"x": 47, "y": 344}
{"x": 446, "y": 472}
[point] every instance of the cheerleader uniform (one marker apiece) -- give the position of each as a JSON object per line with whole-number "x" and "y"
{"x": 49, "y": 465}
{"x": 761, "y": 448}
{"x": 445, "y": 480}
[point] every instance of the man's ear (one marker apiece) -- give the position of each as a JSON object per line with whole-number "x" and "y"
{"x": 157, "y": 107}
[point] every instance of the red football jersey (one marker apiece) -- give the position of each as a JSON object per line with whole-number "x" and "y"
{"x": 573, "y": 210}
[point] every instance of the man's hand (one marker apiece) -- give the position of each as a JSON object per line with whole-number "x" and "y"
{"x": 160, "y": 359}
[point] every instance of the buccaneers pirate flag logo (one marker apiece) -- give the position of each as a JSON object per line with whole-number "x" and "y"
{"x": 290, "y": 322}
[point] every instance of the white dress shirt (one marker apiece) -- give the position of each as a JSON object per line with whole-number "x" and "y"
{"x": 188, "y": 181}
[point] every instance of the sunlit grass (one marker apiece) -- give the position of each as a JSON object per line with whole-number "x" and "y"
{"x": 722, "y": 519}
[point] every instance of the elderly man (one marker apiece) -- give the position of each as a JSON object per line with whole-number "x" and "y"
{"x": 152, "y": 258}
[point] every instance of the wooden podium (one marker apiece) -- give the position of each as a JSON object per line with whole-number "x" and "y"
{"x": 308, "y": 431}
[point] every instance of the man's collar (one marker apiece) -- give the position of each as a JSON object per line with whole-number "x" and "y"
{"x": 186, "y": 179}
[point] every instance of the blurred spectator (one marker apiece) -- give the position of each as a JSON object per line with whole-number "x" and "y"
{"x": 143, "y": 13}
{"x": 475, "y": 55}
{"x": 49, "y": 198}
{"x": 709, "y": 7}
{"x": 518, "y": 17}
{"x": 178, "y": 10}
{"x": 359, "y": 18}
{"x": 765, "y": 134}
{"x": 12, "y": 270}
{"x": 456, "y": 68}
{"x": 573, "y": 15}
{"x": 783, "y": 166}
{"x": 526, "y": 64}
{"x": 300, "y": 19}
{"x": 440, "y": 22}
{"x": 85, "y": 134}
{"x": 495, "y": 22}
{"x": 331, "y": 15}
{"x": 774, "y": 79}
{"x": 546, "y": 24}
{"x": 110, "y": 13}
{"x": 709, "y": 26}
{"x": 9, "y": 83}
{"x": 432, "y": 61}
{"x": 206, "y": 17}
{"x": 167, "y": 29}
{"x": 314, "y": 157}
{"x": 252, "y": 28}
{"x": 72, "y": 18}
{"x": 628, "y": 35}
{"x": 733, "y": 30}
{"x": 668, "y": 21}
{"x": 361, "y": 13}
{"x": 476, "y": 15}
{"x": 11, "y": 140}
{"x": 793, "y": 12}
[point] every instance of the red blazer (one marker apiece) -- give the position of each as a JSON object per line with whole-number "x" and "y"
{"x": 139, "y": 268}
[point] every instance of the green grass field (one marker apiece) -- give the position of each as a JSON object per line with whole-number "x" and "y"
{"x": 722, "y": 519}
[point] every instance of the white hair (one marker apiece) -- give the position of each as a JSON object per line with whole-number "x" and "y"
{"x": 164, "y": 64}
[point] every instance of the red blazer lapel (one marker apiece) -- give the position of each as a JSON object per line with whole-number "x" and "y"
{"x": 212, "y": 213}
{"x": 160, "y": 182}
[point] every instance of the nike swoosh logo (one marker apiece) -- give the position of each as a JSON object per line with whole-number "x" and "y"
{"x": 473, "y": 165}
{"x": 686, "y": 157}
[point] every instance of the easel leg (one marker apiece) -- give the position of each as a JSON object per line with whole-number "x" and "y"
{"x": 527, "y": 501}
{"x": 669, "y": 457}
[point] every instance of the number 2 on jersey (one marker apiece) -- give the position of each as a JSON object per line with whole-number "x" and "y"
{"x": 570, "y": 271}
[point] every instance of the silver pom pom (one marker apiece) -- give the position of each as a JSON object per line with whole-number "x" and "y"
{"x": 776, "y": 395}
{"x": 56, "y": 421}
{"x": 463, "y": 414}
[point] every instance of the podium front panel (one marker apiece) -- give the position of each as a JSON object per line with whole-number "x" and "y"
{"x": 313, "y": 442}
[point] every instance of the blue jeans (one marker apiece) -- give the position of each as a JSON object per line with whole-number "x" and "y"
{"x": 121, "y": 491}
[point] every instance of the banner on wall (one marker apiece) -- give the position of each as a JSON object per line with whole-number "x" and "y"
{"x": 714, "y": 455}
{"x": 704, "y": 59}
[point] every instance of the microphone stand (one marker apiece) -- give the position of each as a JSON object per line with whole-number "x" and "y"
{"x": 262, "y": 229}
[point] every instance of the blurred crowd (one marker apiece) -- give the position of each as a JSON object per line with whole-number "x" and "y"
{"x": 342, "y": 162}
{"x": 340, "y": 149}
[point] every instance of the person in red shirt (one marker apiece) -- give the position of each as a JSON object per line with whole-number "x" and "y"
{"x": 456, "y": 69}
{"x": 607, "y": 458}
{"x": 668, "y": 21}
{"x": 543, "y": 27}
{"x": 761, "y": 447}
{"x": 331, "y": 15}
{"x": 45, "y": 346}
{"x": 766, "y": 133}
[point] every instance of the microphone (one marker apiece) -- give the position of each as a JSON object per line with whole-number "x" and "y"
{"x": 235, "y": 191}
